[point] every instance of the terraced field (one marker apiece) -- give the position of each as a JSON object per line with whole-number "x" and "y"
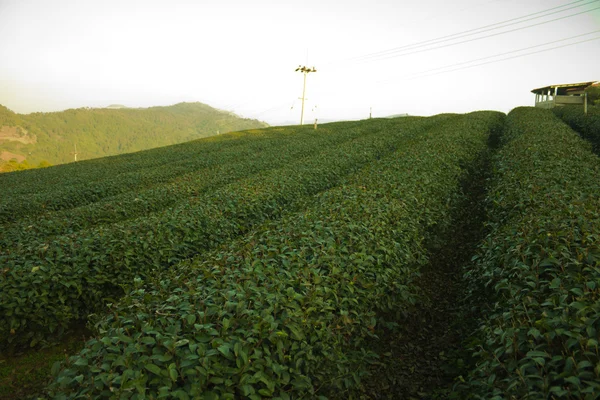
{"x": 290, "y": 262}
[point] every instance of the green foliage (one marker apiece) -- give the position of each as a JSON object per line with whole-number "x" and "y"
{"x": 13, "y": 165}
{"x": 283, "y": 310}
{"x": 100, "y": 132}
{"x": 593, "y": 93}
{"x": 539, "y": 267}
{"x": 588, "y": 126}
{"x": 137, "y": 179}
{"x": 9, "y": 118}
{"x": 51, "y": 280}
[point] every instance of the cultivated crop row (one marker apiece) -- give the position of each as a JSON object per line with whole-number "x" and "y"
{"x": 283, "y": 311}
{"x": 588, "y": 126}
{"x": 65, "y": 195}
{"x": 82, "y": 173}
{"x": 46, "y": 285}
{"x": 540, "y": 266}
{"x": 228, "y": 166}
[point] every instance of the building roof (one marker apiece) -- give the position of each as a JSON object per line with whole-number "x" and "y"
{"x": 572, "y": 86}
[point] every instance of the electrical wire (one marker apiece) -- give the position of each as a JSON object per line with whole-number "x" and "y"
{"x": 474, "y": 31}
{"x": 503, "y": 59}
{"x": 279, "y": 105}
{"x": 487, "y": 36}
{"x": 425, "y": 46}
{"x": 417, "y": 74}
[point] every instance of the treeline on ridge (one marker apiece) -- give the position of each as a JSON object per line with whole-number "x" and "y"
{"x": 51, "y": 137}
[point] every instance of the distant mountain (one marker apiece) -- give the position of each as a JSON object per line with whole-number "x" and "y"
{"x": 98, "y": 132}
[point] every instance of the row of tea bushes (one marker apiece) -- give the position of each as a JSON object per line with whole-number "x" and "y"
{"x": 62, "y": 195}
{"x": 283, "y": 311}
{"x": 46, "y": 285}
{"x": 540, "y": 266}
{"x": 79, "y": 175}
{"x": 588, "y": 126}
{"x": 227, "y": 167}
{"x": 83, "y": 172}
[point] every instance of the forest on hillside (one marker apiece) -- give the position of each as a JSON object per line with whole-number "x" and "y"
{"x": 55, "y": 137}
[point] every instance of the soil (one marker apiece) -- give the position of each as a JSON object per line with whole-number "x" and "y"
{"x": 7, "y": 156}
{"x": 25, "y": 375}
{"x": 424, "y": 356}
{"x": 16, "y": 134}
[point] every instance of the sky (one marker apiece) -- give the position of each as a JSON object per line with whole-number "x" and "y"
{"x": 383, "y": 57}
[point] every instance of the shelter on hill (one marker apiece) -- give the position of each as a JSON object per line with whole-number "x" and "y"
{"x": 560, "y": 95}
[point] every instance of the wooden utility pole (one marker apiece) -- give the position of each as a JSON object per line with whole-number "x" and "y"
{"x": 75, "y": 152}
{"x": 305, "y": 71}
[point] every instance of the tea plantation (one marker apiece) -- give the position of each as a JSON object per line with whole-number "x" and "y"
{"x": 286, "y": 262}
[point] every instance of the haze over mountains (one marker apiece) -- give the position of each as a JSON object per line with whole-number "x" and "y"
{"x": 85, "y": 133}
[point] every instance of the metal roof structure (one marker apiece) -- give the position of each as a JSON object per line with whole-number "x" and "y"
{"x": 568, "y": 86}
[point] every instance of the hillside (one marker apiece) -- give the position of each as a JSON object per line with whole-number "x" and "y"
{"x": 99, "y": 132}
{"x": 453, "y": 256}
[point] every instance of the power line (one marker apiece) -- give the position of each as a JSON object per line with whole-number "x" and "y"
{"x": 487, "y": 36}
{"x": 503, "y": 59}
{"x": 279, "y": 105}
{"x": 412, "y": 48}
{"x": 471, "y": 32}
{"x": 425, "y": 74}
{"x": 417, "y": 74}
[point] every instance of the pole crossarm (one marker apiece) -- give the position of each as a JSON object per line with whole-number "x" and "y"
{"x": 305, "y": 70}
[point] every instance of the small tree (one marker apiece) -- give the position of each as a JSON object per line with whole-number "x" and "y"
{"x": 593, "y": 94}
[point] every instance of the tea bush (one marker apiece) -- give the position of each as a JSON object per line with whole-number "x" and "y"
{"x": 540, "y": 267}
{"x": 283, "y": 311}
{"x": 588, "y": 126}
{"x": 45, "y": 285}
{"x": 207, "y": 172}
{"x": 66, "y": 186}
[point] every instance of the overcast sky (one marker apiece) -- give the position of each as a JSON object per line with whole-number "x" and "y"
{"x": 240, "y": 55}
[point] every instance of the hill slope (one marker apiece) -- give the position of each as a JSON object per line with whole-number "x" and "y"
{"x": 101, "y": 132}
{"x": 322, "y": 225}
{"x": 385, "y": 258}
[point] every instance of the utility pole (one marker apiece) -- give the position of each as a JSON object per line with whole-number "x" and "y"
{"x": 75, "y": 153}
{"x": 305, "y": 71}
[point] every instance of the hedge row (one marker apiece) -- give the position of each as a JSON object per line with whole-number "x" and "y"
{"x": 63, "y": 195}
{"x": 46, "y": 285}
{"x": 84, "y": 172}
{"x": 588, "y": 126}
{"x": 227, "y": 167}
{"x": 283, "y": 311}
{"x": 540, "y": 265}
